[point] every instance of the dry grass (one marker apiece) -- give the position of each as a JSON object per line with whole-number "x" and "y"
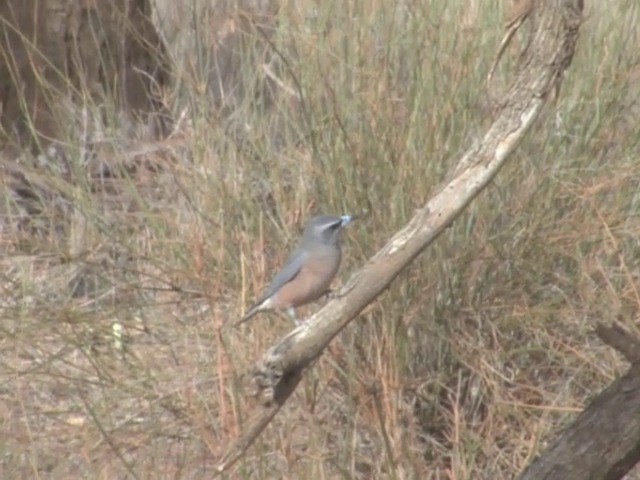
{"x": 464, "y": 369}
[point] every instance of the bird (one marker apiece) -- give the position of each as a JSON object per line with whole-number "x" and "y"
{"x": 309, "y": 270}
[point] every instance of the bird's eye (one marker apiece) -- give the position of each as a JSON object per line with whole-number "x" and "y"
{"x": 335, "y": 226}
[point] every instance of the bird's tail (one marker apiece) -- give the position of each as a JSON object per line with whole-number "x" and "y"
{"x": 258, "y": 307}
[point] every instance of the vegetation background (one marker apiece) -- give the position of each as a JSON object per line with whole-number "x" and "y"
{"x": 122, "y": 257}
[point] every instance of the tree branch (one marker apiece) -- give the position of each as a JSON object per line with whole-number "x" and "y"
{"x": 604, "y": 441}
{"x": 556, "y": 24}
{"x": 618, "y": 338}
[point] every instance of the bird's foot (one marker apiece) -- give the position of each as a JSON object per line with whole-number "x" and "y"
{"x": 330, "y": 294}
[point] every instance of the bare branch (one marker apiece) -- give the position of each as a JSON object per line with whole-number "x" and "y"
{"x": 519, "y": 13}
{"x": 257, "y": 424}
{"x": 603, "y": 441}
{"x": 625, "y": 342}
{"x": 550, "y": 52}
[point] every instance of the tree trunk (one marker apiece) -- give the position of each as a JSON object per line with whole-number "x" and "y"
{"x": 87, "y": 52}
{"x": 604, "y": 441}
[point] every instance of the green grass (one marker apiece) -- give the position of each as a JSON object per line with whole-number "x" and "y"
{"x": 465, "y": 368}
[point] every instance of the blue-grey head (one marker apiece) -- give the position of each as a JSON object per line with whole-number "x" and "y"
{"x": 325, "y": 230}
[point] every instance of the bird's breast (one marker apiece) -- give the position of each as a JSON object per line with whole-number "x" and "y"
{"x": 311, "y": 282}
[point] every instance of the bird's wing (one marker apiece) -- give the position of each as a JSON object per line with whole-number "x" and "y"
{"x": 284, "y": 276}
{"x": 289, "y": 271}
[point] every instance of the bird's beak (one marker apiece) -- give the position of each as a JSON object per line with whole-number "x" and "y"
{"x": 347, "y": 219}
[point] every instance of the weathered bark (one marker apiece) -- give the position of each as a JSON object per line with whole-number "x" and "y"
{"x": 56, "y": 51}
{"x": 549, "y": 53}
{"x": 604, "y": 441}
